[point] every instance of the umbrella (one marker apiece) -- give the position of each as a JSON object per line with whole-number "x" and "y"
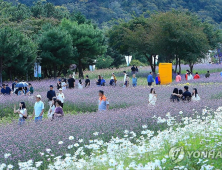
{"x": 21, "y": 84}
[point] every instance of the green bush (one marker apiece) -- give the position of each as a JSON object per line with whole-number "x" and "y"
{"x": 104, "y": 62}
{"x": 136, "y": 63}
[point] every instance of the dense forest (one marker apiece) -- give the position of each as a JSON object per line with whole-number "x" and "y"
{"x": 103, "y": 11}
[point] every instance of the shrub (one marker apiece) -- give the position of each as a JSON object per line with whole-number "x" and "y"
{"x": 104, "y": 62}
{"x": 136, "y": 63}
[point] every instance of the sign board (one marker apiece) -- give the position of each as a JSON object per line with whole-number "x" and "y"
{"x": 92, "y": 67}
{"x": 37, "y": 70}
{"x": 165, "y": 71}
{"x": 128, "y": 59}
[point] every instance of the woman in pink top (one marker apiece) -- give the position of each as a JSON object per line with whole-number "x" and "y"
{"x": 178, "y": 77}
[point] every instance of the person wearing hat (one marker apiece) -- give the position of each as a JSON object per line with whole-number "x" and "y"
{"x": 103, "y": 102}
{"x": 5, "y": 90}
{"x": 50, "y": 94}
{"x": 157, "y": 79}
{"x": 38, "y": 109}
{"x": 61, "y": 97}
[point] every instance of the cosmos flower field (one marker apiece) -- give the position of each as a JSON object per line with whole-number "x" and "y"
{"x": 131, "y": 135}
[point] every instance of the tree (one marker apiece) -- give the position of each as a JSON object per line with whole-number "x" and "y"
{"x": 87, "y": 40}
{"x": 15, "y": 48}
{"x": 56, "y": 49}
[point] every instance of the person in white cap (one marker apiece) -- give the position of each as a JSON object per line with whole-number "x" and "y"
{"x": 38, "y": 109}
{"x": 61, "y": 97}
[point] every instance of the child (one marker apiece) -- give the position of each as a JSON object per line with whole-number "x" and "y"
{"x": 157, "y": 79}
{"x": 127, "y": 81}
{"x": 134, "y": 80}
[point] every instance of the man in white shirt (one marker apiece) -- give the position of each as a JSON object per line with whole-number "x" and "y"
{"x": 38, "y": 109}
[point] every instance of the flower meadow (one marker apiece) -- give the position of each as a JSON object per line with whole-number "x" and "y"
{"x": 131, "y": 135}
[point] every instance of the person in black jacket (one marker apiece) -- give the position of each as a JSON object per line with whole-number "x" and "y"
{"x": 50, "y": 94}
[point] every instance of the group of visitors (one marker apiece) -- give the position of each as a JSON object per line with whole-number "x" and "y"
{"x": 185, "y": 95}
{"x": 27, "y": 89}
{"x": 70, "y": 83}
{"x": 134, "y": 69}
{"x": 102, "y": 82}
{"x": 56, "y": 106}
{"x": 150, "y": 79}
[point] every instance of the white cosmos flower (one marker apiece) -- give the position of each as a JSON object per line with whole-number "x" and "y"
{"x": 144, "y": 126}
{"x": 76, "y": 144}
{"x": 38, "y": 164}
{"x": 71, "y": 138}
{"x": 70, "y": 146}
{"x": 60, "y": 142}
{"x": 112, "y": 162}
{"x": 6, "y": 155}
{"x": 48, "y": 150}
{"x": 80, "y": 140}
{"x": 10, "y": 166}
{"x": 181, "y": 112}
{"x": 96, "y": 133}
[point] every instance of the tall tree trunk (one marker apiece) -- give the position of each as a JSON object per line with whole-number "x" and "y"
{"x": 175, "y": 71}
{"x": 150, "y": 61}
{"x": 1, "y": 65}
{"x": 191, "y": 67}
{"x": 80, "y": 69}
{"x": 179, "y": 66}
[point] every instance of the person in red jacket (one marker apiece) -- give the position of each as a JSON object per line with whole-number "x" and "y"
{"x": 186, "y": 75}
{"x": 196, "y": 76}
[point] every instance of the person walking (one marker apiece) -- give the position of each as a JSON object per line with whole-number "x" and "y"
{"x": 87, "y": 81}
{"x": 127, "y": 81}
{"x": 38, "y": 109}
{"x": 137, "y": 70}
{"x": 196, "y": 76}
{"x": 59, "y": 84}
{"x": 124, "y": 78}
{"x": 157, "y": 79}
{"x": 103, "y": 102}
{"x": 64, "y": 85}
{"x": 133, "y": 69}
{"x": 208, "y": 74}
{"x": 71, "y": 82}
{"x": 152, "y": 97}
{"x": 178, "y": 77}
{"x": 22, "y": 111}
{"x": 150, "y": 79}
{"x": 50, "y": 94}
{"x": 134, "y": 80}
{"x": 58, "y": 113}
{"x": 114, "y": 78}
{"x": 5, "y": 90}
{"x": 61, "y": 97}
{"x": 52, "y": 108}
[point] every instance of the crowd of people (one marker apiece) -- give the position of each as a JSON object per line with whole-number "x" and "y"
{"x": 19, "y": 89}
{"x": 56, "y": 100}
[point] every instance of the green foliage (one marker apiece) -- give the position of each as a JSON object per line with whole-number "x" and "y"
{"x": 104, "y": 62}
{"x": 56, "y": 49}
{"x": 136, "y": 63}
{"x": 87, "y": 40}
{"x": 16, "y": 48}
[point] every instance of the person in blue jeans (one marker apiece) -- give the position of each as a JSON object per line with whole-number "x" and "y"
{"x": 134, "y": 80}
{"x": 38, "y": 109}
{"x": 150, "y": 79}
